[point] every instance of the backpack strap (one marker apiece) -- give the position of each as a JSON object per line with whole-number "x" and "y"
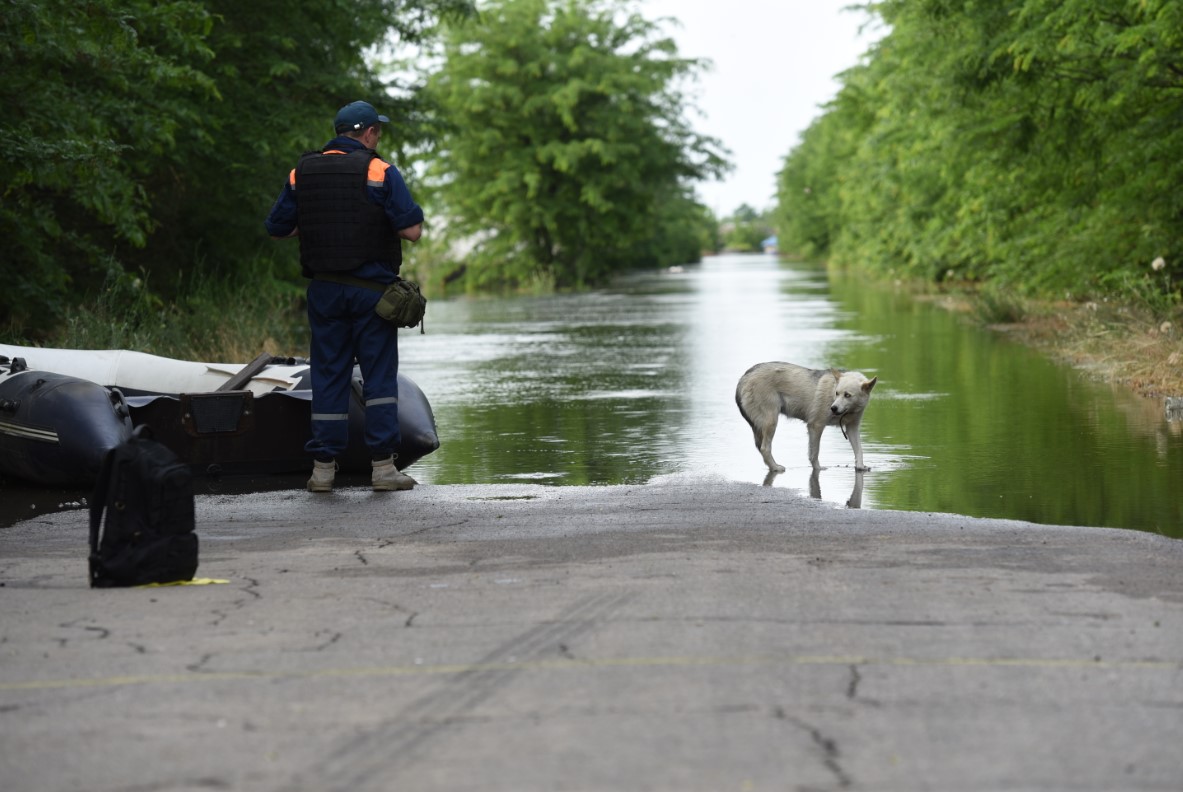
{"x": 98, "y": 501}
{"x": 102, "y": 488}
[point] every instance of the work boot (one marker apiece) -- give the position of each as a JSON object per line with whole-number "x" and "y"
{"x": 323, "y": 474}
{"x": 386, "y": 476}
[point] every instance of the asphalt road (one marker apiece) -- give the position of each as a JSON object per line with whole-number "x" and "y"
{"x": 684, "y": 635}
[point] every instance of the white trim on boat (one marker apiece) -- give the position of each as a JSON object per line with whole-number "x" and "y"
{"x": 122, "y": 368}
{"x": 28, "y": 432}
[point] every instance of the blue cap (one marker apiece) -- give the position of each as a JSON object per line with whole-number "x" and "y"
{"x": 356, "y": 116}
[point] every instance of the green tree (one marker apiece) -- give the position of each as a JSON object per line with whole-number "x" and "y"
{"x": 566, "y": 154}
{"x": 280, "y": 84}
{"x": 1034, "y": 143}
{"x": 145, "y": 140}
{"x": 808, "y": 212}
{"x": 95, "y": 97}
{"x": 747, "y": 229}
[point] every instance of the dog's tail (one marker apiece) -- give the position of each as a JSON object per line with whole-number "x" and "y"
{"x": 742, "y": 411}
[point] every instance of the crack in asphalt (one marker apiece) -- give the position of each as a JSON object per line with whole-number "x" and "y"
{"x": 855, "y": 678}
{"x": 358, "y": 763}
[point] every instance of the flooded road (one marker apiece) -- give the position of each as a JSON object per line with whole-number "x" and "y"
{"x": 637, "y": 381}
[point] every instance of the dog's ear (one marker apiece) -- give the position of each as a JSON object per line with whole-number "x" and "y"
{"x": 870, "y": 384}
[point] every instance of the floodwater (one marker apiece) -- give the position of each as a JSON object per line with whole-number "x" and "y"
{"x": 636, "y": 382}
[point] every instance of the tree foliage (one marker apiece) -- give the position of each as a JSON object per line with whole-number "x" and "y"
{"x": 1036, "y": 143}
{"x": 566, "y": 154}
{"x": 747, "y": 229}
{"x": 145, "y": 138}
{"x": 95, "y": 96}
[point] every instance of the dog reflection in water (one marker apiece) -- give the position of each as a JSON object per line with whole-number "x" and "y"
{"x": 855, "y": 501}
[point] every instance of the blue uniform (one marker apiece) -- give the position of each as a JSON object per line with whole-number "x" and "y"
{"x": 344, "y": 326}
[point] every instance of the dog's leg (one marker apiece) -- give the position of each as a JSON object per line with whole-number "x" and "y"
{"x": 815, "y": 444}
{"x": 764, "y": 443}
{"x": 856, "y": 444}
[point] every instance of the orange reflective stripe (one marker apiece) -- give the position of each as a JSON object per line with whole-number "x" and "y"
{"x": 377, "y": 173}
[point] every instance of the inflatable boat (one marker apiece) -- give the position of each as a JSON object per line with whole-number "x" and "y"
{"x": 55, "y": 429}
{"x": 217, "y": 417}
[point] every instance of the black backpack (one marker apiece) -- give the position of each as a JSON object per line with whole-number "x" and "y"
{"x": 147, "y": 493}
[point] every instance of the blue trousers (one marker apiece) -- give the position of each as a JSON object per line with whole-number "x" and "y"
{"x": 344, "y": 328}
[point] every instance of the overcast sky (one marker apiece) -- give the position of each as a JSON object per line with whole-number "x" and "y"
{"x": 774, "y": 64}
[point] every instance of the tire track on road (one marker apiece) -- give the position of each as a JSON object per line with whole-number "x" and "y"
{"x": 357, "y": 763}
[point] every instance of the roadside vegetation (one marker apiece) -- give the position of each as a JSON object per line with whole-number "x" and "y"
{"x": 145, "y": 142}
{"x": 1025, "y": 152}
{"x": 746, "y": 230}
{"x": 1128, "y": 343}
{"x": 564, "y": 154}
{"x": 1124, "y": 342}
{"x": 1022, "y": 157}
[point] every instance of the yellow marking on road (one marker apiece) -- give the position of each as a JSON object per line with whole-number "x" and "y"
{"x": 596, "y": 663}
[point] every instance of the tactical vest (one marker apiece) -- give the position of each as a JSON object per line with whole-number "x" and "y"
{"x": 340, "y": 227}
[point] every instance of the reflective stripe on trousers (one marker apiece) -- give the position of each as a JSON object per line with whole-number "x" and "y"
{"x": 344, "y": 328}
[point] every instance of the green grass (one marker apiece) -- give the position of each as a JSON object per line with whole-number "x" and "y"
{"x": 223, "y": 320}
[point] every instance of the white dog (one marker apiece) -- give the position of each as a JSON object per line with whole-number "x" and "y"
{"x": 820, "y": 398}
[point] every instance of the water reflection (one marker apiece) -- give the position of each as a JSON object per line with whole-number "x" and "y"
{"x": 637, "y": 381}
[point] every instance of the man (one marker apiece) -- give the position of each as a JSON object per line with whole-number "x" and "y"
{"x": 350, "y": 209}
